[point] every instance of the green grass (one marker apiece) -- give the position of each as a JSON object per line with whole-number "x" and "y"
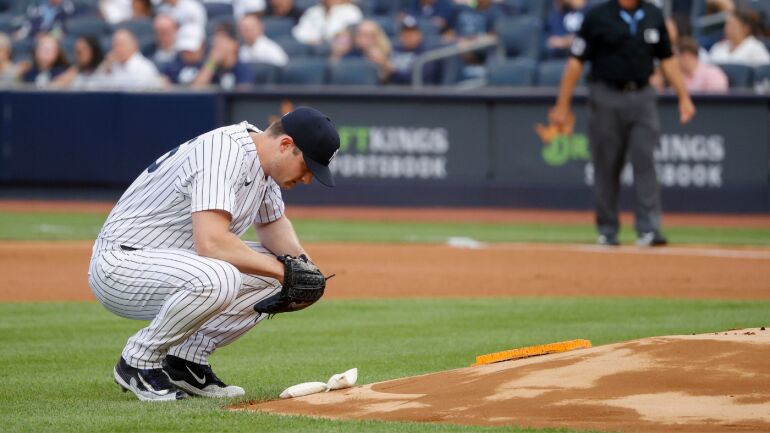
{"x": 57, "y": 357}
{"x": 65, "y": 226}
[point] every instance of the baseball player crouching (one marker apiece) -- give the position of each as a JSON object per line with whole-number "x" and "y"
{"x": 170, "y": 251}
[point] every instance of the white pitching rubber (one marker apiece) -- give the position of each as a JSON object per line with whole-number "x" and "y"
{"x": 301, "y": 389}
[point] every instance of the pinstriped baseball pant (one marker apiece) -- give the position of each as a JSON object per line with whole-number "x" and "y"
{"x": 195, "y": 304}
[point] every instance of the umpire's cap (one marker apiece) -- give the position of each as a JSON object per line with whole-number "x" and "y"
{"x": 316, "y": 136}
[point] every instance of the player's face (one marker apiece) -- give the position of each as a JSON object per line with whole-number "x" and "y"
{"x": 291, "y": 168}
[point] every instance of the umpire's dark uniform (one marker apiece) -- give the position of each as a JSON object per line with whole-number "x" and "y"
{"x": 621, "y": 45}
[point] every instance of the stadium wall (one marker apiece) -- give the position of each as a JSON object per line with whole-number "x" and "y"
{"x": 489, "y": 147}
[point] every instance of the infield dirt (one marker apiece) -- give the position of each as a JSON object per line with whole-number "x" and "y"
{"x": 700, "y": 383}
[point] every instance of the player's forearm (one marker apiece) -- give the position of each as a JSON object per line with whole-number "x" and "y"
{"x": 568, "y": 82}
{"x": 279, "y": 237}
{"x": 670, "y": 69}
{"x": 230, "y": 248}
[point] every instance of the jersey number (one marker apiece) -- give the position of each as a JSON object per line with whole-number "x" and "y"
{"x": 154, "y": 166}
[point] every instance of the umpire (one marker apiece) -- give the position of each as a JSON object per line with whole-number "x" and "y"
{"x": 621, "y": 39}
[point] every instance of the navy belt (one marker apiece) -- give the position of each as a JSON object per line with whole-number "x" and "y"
{"x": 127, "y": 248}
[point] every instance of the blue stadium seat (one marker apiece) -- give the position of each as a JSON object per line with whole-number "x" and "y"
{"x": 304, "y": 5}
{"x": 354, "y": 72}
{"x": 739, "y": 76}
{"x": 276, "y": 27}
{"x": 68, "y": 47}
{"x": 293, "y": 47}
{"x": 87, "y": 25}
{"x": 762, "y": 75}
{"x": 304, "y": 72}
{"x": 213, "y": 23}
{"x": 138, "y": 27}
{"x": 387, "y": 24}
{"x": 217, "y": 9}
{"x": 264, "y": 73}
{"x": 550, "y": 72}
{"x": 367, "y": 6}
{"x": 22, "y": 49}
{"x": 520, "y": 36}
{"x": 9, "y": 22}
{"x": 512, "y": 72}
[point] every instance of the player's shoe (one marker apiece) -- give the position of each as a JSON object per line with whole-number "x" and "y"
{"x": 198, "y": 379}
{"x": 651, "y": 239}
{"x": 147, "y": 385}
{"x": 607, "y": 240}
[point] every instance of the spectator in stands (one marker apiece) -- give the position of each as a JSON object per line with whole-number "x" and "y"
{"x": 320, "y": 23}
{"x": 410, "y": 45}
{"x": 699, "y": 76}
{"x": 141, "y": 10}
{"x": 125, "y": 67}
{"x": 165, "y": 40}
{"x": 256, "y": 46}
{"x": 115, "y": 11}
{"x": 82, "y": 74}
{"x": 222, "y": 67}
{"x": 368, "y": 42}
{"x": 188, "y": 63}
{"x": 242, "y": 8}
{"x": 283, "y": 8}
{"x": 49, "y": 62}
{"x": 561, "y": 24}
{"x": 739, "y": 45}
{"x": 185, "y": 13}
{"x": 477, "y": 21}
{"x": 442, "y": 13}
{"x": 50, "y": 16}
{"x": 9, "y": 71}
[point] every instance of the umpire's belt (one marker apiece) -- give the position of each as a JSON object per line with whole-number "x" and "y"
{"x": 627, "y": 86}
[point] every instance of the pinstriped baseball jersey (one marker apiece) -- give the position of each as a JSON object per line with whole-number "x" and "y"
{"x": 216, "y": 170}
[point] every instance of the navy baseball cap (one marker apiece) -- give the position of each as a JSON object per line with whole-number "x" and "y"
{"x": 316, "y": 136}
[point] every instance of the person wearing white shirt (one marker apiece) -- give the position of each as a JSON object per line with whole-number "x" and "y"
{"x": 740, "y": 46}
{"x": 185, "y": 13}
{"x": 322, "y": 22}
{"x": 126, "y": 67}
{"x": 256, "y": 46}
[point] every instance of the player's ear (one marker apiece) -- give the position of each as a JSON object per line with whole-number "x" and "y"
{"x": 286, "y": 143}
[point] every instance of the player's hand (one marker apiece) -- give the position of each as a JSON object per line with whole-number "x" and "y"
{"x": 686, "y": 109}
{"x": 559, "y": 116}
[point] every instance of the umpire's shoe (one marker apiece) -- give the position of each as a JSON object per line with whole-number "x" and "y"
{"x": 147, "y": 385}
{"x": 198, "y": 379}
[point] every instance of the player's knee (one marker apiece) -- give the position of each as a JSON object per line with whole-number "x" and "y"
{"x": 223, "y": 284}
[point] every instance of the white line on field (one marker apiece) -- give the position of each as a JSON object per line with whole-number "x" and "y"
{"x": 662, "y": 251}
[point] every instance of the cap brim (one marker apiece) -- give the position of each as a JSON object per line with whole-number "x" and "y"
{"x": 320, "y": 172}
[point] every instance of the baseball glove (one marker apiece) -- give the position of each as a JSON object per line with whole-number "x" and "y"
{"x": 303, "y": 285}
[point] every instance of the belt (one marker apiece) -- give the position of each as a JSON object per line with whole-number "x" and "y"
{"x": 127, "y": 248}
{"x": 627, "y": 86}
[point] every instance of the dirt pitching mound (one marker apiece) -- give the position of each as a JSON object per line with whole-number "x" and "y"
{"x": 699, "y": 383}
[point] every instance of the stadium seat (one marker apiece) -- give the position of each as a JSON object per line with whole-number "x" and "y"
{"x": 68, "y": 46}
{"x": 550, "y": 72}
{"x": 512, "y": 72}
{"x": 138, "y": 27}
{"x": 387, "y": 24}
{"x": 534, "y": 8}
{"x": 520, "y": 36}
{"x": 304, "y": 72}
{"x": 213, "y": 23}
{"x": 739, "y": 76}
{"x": 87, "y": 25}
{"x": 762, "y": 76}
{"x": 354, "y": 72}
{"x": 276, "y": 27}
{"x": 367, "y": 6}
{"x": 304, "y": 5}
{"x": 217, "y": 9}
{"x": 264, "y": 73}
{"x": 8, "y": 23}
{"x": 23, "y": 49}
{"x": 292, "y": 47}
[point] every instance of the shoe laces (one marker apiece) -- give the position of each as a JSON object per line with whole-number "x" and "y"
{"x": 156, "y": 378}
{"x": 211, "y": 375}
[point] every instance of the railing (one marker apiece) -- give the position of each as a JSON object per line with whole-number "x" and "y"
{"x": 482, "y": 42}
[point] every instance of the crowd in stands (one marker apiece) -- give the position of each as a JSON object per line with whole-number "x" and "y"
{"x": 155, "y": 44}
